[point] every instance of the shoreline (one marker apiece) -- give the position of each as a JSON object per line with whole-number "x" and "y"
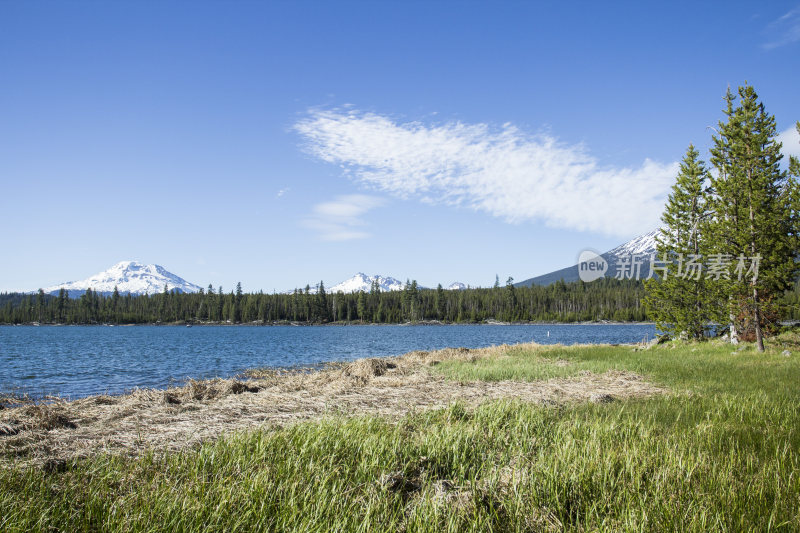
{"x": 29, "y": 375}
{"x": 177, "y": 418}
{"x": 341, "y": 324}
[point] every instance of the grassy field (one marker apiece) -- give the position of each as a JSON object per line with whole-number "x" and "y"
{"x": 719, "y": 452}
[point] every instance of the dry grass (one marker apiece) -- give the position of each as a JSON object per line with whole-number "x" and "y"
{"x": 177, "y": 418}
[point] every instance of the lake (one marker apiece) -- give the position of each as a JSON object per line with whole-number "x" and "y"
{"x": 75, "y": 361}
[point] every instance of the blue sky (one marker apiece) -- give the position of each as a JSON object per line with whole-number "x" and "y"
{"x": 283, "y": 143}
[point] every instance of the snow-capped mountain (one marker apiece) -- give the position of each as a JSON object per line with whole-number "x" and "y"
{"x": 129, "y": 277}
{"x": 641, "y": 246}
{"x": 362, "y": 282}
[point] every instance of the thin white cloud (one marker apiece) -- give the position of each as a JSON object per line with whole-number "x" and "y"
{"x": 282, "y": 192}
{"x": 784, "y": 30}
{"x": 791, "y": 142}
{"x": 501, "y": 171}
{"x": 340, "y": 219}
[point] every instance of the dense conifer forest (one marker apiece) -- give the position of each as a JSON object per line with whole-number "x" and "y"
{"x": 606, "y": 299}
{"x": 601, "y": 300}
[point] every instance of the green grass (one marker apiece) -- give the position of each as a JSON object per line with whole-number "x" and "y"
{"x": 720, "y": 453}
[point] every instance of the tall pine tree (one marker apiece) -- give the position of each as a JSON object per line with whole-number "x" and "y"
{"x": 682, "y": 300}
{"x": 752, "y": 202}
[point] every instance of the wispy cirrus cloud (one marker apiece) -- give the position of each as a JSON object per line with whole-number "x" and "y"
{"x": 340, "y": 219}
{"x": 784, "y": 30}
{"x": 503, "y": 171}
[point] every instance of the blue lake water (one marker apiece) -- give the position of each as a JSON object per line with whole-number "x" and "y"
{"x": 77, "y": 361}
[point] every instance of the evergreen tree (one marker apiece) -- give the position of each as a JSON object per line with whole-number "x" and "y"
{"x": 511, "y": 299}
{"x": 753, "y": 218}
{"x": 361, "y": 305}
{"x": 682, "y": 300}
{"x": 40, "y": 304}
{"x": 295, "y": 304}
{"x": 230, "y": 306}
{"x": 406, "y": 299}
{"x": 62, "y": 305}
{"x": 793, "y": 193}
{"x": 321, "y": 303}
{"x": 413, "y": 298}
{"x": 210, "y": 305}
{"x": 439, "y": 301}
{"x": 115, "y": 298}
{"x": 237, "y": 303}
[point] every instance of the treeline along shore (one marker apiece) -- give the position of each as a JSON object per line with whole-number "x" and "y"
{"x": 605, "y": 299}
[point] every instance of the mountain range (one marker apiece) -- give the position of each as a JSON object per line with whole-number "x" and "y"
{"x": 132, "y": 277}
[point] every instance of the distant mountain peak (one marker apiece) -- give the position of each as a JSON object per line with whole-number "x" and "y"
{"x": 129, "y": 277}
{"x": 362, "y": 282}
{"x": 642, "y": 246}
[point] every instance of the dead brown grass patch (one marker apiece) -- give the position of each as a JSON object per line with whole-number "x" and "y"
{"x": 181, "y": 417}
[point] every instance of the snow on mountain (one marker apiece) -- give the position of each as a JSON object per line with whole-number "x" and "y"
{"x": 643, "y": 244}
{"x": 362, "y": 282}
{"x": 129, "y": 277}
